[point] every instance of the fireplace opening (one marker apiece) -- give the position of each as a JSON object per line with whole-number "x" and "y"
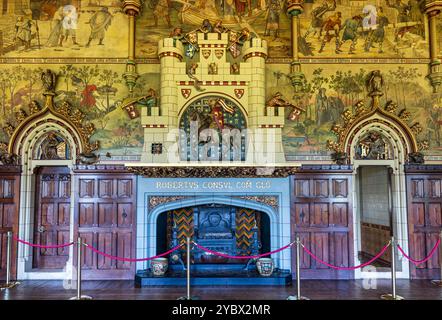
{"x": 232, "y": 230}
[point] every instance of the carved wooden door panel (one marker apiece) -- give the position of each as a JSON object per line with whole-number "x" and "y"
{"x": 52, "y": 216}
{"x": 424, "y": 194}
{"x": 321, "y": 215}
{"x": 9, "y": 204}
{"x": 105, "y": 218}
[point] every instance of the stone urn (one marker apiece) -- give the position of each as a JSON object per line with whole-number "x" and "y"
{"x": 265, "y": 266}
{"x": 159, "y": 266}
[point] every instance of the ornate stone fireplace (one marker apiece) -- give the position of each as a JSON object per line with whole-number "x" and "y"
{"x": 216, "y": 213}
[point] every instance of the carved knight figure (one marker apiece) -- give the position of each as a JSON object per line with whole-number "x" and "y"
{"x": 49, "y": 78}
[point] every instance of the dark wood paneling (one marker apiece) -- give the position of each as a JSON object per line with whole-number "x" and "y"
{"x": 52, "y": 216}
{"x": 424, "y": 219}
{"x": 105, "y": 218}
{"x": 9, "y": 208}
{"x": 321, "y": 215}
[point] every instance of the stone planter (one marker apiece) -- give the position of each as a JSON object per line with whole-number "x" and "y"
{"x": 159, "y": 266}
{"x": 265, "y": 266}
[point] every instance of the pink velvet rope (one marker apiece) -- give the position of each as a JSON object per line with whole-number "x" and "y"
{"x": 417, "y": 262}
{"x": 242, "y": 257}
{"x": 347, "y": 268}
{"x": 129, "y": 259}
{"x": 42, "y": 246}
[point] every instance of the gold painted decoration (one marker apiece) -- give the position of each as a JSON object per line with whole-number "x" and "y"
{"x": 354, "y": 120}
{"x": 186, "y": 93}
{"x": 64, "y": 112}
{"x": 239, "y": 93}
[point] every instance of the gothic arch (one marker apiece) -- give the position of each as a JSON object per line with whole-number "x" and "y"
{"x": 393, "y": 123}
{"x": 60, "y": 118}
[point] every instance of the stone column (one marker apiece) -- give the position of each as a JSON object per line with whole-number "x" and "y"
{"x": 294, "y": 9}
{"x": 432, "y": 10}
{"x": 131, "y": 8}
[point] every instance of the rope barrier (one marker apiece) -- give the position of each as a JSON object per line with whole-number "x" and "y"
{"x": 348, "y": 268}
{"x": 418, "y": 262}
{"x": 42, "y": 246}
{"x": 243, "y": 257}
{"x": 129, "y": 259}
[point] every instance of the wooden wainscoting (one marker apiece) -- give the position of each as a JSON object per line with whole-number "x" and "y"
{"x": 9, "y": 208}
{"x": 373, "y": 238}
{"x": 424, "y": 197}
{"x": 321, "y": 214}
{"x": 105, "y": 217}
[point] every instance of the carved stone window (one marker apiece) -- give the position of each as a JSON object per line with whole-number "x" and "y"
{"x": 374, "y": 146}
{"x": 53, "y": 147}
{"x": 213, "y": 129}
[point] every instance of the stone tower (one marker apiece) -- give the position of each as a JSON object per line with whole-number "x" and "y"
{"x": 213, "y": 76}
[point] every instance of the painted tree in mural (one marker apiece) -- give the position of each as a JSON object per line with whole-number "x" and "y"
{"x": 404, "y": 79}
{"x": 32, "y": 76}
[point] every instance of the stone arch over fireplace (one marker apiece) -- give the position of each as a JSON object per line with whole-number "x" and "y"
{"x": 272, "y": 213}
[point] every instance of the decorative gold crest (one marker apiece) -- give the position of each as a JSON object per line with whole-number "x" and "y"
{"x": 206, "y": 53}
{"x": 239, "y": 93}
{"x": 186, "y": 93}
{"x": 219, "y": 53}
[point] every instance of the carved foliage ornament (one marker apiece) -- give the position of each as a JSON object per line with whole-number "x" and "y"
{"x": 64, "y": 111}
{"x": 213, "y": 172}
{"x": 350, "y": 120}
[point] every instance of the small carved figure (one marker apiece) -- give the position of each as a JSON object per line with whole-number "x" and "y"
{"x": 374, "y": 83}
{"x": 49, "y": 148}
{"x": 191, "y": 71}
{"x": 206, "y": 26}
{"x": 213, "y": 68}
{"x": 219, "y": 28}
{"x": 49, "y": 79}
{"x": 234, "y": 68}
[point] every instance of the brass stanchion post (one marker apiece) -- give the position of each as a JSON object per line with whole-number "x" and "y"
{"x": 79, "y": 296}
{"x": 188, "y": 296}
{"x": 439, "y": 282}
{"x": 298, "y": 275}
{"x": 8, "y": 284}
{"x": 393, "y": 295}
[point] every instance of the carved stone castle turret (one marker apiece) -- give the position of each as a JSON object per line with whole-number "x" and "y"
{"x": 214, "y": 72}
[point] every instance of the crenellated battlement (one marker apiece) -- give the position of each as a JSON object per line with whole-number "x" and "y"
{"x": 227, "y": 66}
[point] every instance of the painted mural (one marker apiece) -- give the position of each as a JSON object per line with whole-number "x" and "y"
{"x": 95, "y": 90}
{"x": 327, "y": 91}
{"x": 63, "y": 28}
{"x": 378, "y": 29}
{"x": 265, "y": 18}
